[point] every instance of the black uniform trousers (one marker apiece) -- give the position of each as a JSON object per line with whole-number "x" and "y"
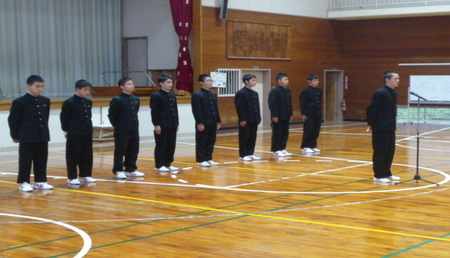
{"x": 79, "y": 155}
{"x": 32, "y": 154}
{"x": 311, "y": 130}
{"x": 126, "y": 144}
{"x": 204, "y": 143}
{"x": 247, "y": 139}
{"x": 165, "y": 144}
{"x": 383, "y": 144}
{"x": 280, "y": 135}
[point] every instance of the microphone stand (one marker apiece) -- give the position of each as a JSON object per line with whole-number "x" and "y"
{"x": 417, "y": 176}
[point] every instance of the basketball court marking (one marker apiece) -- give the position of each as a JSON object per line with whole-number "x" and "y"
{"x": 86, "y": 239}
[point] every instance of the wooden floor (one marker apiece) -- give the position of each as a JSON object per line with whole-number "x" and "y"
{"x": 324, "y": 205}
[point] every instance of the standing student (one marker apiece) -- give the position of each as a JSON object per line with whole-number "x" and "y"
{"x": 382, "y": 120}
{"x": 207, "y": 121}
{"x": 280, "y": 105}
{"x": 164, "y": 112}
{"x": 123, "y": 115}
{"x": 311, "y": 109}
{"x": 76, "y": 123}
{"x": 247, "y": 106}
{"x": 28, "y": 124}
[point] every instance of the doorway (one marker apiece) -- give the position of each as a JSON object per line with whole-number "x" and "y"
{"x": 333, "y": 95}
{"x": 135, "y": 60}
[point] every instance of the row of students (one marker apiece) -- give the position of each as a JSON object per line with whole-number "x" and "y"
{"x": 28, "y": 122}
{"x": 207, "y": 118}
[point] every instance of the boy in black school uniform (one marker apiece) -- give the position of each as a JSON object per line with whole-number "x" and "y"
{"x": 164, "y": 112}
{"x": 280, "y": 105}
{"x": 76, "y": 123}
{"x": 207, "y": 121}
{"x": 28, "y": 124}
{"x": 249, "y": 115}
{"x": 311, "y": 109}
{"x": 123, "y": 115}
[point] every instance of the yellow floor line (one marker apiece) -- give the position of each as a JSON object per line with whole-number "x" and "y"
{"x": 249, "y": 214}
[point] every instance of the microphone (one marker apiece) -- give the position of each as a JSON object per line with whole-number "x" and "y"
{"x": 417, "y": 95}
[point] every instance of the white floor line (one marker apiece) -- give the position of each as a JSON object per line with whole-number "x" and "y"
{"x": 86, "y": 239}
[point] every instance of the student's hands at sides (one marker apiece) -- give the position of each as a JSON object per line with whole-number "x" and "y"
{"x": 200, "y": 127}
{"x": 243, "y": 123}
{"x": 218, "y": 126}
{"x": 275, "y": 119}
{"x": 15, "y": 140}
{"x": 304, "y": 117}
{"x": 158, "y": 129}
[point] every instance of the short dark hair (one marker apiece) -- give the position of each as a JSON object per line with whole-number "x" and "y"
{"x": 82, "y": 83}
{"x": 123, "y": 81}
{"x": 388, "y": 75}
{"x": 312, "y": 77}
{"x": 248, "y": 77}
{"x": 202, "y": 77}
{"x": 34, "y": 78}
{"x": 281, "y": 76}
{"x": 164, "y": 77}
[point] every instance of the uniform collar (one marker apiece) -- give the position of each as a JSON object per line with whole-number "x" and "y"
{"x": 32, "y": 95}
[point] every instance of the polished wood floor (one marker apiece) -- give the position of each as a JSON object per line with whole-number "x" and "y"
{"x": 323, "y": 205}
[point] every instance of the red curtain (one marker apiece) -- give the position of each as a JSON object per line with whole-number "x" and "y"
{"x": 182, "y": 20}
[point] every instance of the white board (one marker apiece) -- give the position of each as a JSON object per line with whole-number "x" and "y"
{"x": 435, "y": 88}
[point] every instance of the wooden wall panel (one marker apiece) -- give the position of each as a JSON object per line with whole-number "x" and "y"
{"x": 371, "y": 47}
{"x": 364, "y": 49}
{"x": 314, "y": 48}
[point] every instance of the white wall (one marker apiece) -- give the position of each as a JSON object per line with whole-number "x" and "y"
{"x": 187, "y": 123}
{"x": 307, "y": 8}
{"x": 152, "y": 19}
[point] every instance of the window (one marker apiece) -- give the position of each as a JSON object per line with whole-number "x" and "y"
{"x": 233, "y": 82}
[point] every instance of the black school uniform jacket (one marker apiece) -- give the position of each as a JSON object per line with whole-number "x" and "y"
{"x": 205, "y": 108}
{"x": 164, "y": 109}
{"x": 382, "y": 111}
{"x": 310, "y": 102}
{"x": 76, "y": 116}
{"x": 280, "y": 103}
{"x": 123, "y": 113}
{"x": 247, "y": 106}
{"x": 28, "y": 119}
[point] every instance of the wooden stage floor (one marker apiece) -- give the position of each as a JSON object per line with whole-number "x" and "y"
{"x": 324, "y": 205}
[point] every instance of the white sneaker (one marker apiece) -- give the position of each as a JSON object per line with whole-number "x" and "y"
{"x": 172, "y": 168}
{"x": 279, "y": 154}
{"x": 394, "y": 178}
{"x": 246, "y": 158}
{"x": 162, "y": 169}
{"x": 25, "y": 187}
{"x": 87, "y": 179}
{"x": 42, "y": 186}
{"x": 120, "y": 175}
{"x": 135, "y": 173}
{"x": 213, "y": 163}
{"x": 307, "y": 150}
{"x": 381, "y": 180}
{"x": 253, "y": 157}
{"x": 204, "y": 164}
{"x": 286, "y": 153}
{"x": 316, "y": 150}
{"x": 73, "y": 181}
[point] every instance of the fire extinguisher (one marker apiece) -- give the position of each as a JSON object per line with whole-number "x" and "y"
{"x": 344, "y": 105}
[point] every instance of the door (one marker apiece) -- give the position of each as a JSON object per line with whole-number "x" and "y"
{"x": 135, "y": 60}
{"x": 333, "y": 95}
